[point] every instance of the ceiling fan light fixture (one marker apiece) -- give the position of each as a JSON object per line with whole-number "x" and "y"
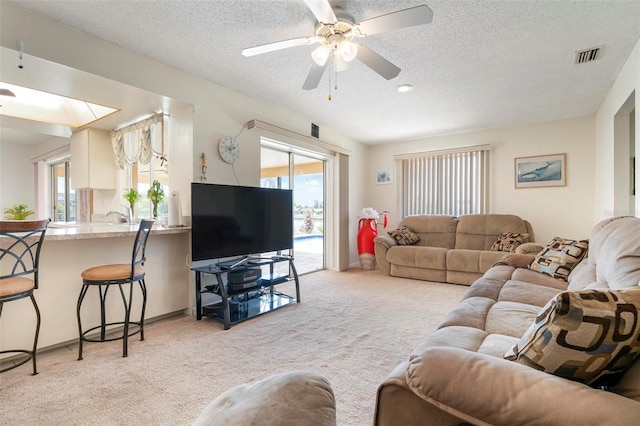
{"x": 320, "y": 54}
{"x": 404, "y": 88}
{"x": 340, "y": 63}
{"x": 334, "y": 31}
{"x": 348, "y": 50}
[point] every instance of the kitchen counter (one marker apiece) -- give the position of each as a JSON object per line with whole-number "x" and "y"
{"x": 57, "y": 232}
{"x": 70, "y": 249}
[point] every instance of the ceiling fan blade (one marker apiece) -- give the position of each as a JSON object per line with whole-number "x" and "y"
{"x": 315, "y": 74}
{"x": 418, "y": 15}
{"x": 278, "y": 45}
{"x": 322, "y": 11}
{"x": 377, "y": 63}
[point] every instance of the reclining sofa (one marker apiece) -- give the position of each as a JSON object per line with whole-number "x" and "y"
{"x": 450, "y": 249}
{"x": 525, "y": 348}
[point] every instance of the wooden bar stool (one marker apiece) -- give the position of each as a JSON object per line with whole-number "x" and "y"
{"x": 20, "y": 243}
{"x": 103, "y": 277}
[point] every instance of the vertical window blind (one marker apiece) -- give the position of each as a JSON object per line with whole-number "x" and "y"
{"x": 446, "y": 182}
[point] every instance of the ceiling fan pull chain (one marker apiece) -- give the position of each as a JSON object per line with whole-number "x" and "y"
{"x": 329, "y": 97}
{"x": 335, "y": 71}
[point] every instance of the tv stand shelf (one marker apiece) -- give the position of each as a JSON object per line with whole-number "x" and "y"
{"x": 255, "y": 297}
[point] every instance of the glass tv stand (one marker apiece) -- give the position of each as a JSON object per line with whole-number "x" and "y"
{"x": 246, "y": 296}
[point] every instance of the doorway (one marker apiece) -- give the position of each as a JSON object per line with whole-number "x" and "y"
{"x": 305, "y": 175}
{"x": 625, "y": 160}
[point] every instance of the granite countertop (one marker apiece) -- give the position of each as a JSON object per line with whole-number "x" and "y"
{"x": 56, "y": 232}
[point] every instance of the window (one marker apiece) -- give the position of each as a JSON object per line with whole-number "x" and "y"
{"x": 63, "y": 199}
{"x": 304, "y": 173}
{"x": 140, "y": 149}
{"x": 142, "y": 175}
{"x": 452, "y": 182}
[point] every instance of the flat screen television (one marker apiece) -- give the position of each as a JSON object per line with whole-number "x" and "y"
{"x": 229, "y": 220}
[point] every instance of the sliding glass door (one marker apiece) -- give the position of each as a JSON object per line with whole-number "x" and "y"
{"x": 306, "y": 177}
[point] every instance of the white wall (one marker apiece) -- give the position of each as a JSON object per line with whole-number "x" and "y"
{"x": 556, "y": 211}
{"x": 17, "y": 175}
{"x": 624, "y": 86}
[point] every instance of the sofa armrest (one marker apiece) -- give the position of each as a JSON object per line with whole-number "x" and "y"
{"x": 386, "y": 240}
{"x": 381, "y": 244}
{"x": 516, "y": 260}
{"x": 529, "y": 248}
{"x": 489, "y": 390}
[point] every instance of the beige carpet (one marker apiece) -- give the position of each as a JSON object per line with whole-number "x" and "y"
{"x": 353, "y": 327}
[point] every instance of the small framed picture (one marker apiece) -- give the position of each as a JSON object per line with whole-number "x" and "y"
{"x": 541, "y": 171}
{"x": 383, "y": 177}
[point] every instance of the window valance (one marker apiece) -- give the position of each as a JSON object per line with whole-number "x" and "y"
{"x": 139, "y": 141}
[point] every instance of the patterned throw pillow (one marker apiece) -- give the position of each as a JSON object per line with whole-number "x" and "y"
{"x": 589, "y": 336}
{"x": 404, "y": 236}
{"x": 508, "y": 241}
{"x": 559, "y": 257}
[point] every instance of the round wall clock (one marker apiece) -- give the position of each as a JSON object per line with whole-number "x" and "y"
{"x": 229, "y": 149}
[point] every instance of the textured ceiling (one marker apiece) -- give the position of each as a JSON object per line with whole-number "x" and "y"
{"x": 479, "y": 64}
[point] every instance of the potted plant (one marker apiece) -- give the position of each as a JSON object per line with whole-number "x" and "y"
{"x": 18, "y": 212}
{"x": 132, "y": 196}
{"x": 156, "y": 195}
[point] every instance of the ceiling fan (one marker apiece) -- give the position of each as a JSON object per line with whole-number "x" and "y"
{"x": 336, "y": 33}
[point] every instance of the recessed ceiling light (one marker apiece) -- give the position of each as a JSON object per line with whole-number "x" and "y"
{"x": 405, "y": 88}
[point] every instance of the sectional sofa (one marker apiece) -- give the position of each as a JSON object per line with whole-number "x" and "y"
{"x": 450, "y": 249}
{"x": 526, "y": 347}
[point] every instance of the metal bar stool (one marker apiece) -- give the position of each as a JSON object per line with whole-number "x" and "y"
{"x": 20, "y": 243}
{"x": 104, "y": 277}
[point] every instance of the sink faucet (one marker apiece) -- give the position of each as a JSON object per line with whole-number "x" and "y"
{"x": 121, "y": 217}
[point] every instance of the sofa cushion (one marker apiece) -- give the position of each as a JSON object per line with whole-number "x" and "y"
{"x": 434, "y": 275}
{"x": 404, "y": 236}
{"x": 536, "y": 278}
{"x": 600, "y": 234}
{"x": 455, "y": 336}
{"x": 525, "y": 292}
{"x": 470, "y": 312}
{"x": 508, "y": 241}
{"x": 559, "y": 257}
{"x": 617, "y": 252}
{"x": 461, "y": 277}
{"x": 629, "y": 384}
{"x": 479, "y": 231}
{"x": 497, "y": 344}
{"x": 417, "y": 256}
{"x": 529, "y": 248}
{"x": 296, "y": 397}
{"x": 510, "y": 318}
{"x": 433, "y": 230}
{"x": 490, "y": 284}
{"x": 476, "y": 261}
{"x": 582, "y": 276}
{"x": 516, "y": 260}
{"x": 590, "y": 336}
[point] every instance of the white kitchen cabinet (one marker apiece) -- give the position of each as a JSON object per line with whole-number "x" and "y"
{"x": 92, "y": 160}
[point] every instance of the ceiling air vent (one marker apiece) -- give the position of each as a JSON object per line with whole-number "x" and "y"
{"x": 588, "y": 55}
